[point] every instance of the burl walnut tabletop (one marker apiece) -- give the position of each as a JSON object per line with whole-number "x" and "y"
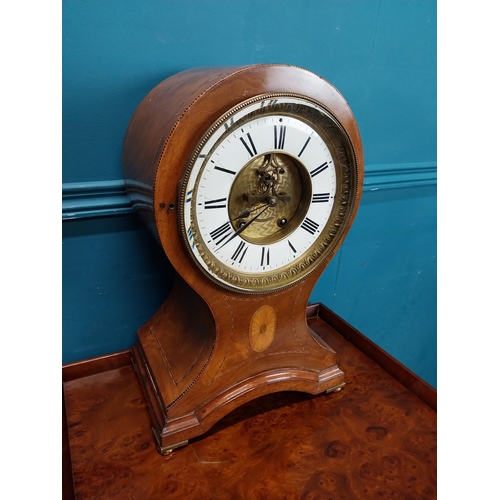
{"x": 374, "y": 439}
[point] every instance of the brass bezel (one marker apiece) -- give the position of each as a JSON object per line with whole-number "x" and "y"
{"x": 346, "y": 165}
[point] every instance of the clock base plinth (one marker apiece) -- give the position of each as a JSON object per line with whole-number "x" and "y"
{"x": 185, "y": 409}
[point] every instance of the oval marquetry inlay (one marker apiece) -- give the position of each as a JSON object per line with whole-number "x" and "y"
{"x": 262, "y": 328}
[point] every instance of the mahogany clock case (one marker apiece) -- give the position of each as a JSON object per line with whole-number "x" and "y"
{"x": 195, "y": 357}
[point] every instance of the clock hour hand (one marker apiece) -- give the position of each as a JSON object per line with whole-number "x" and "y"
{"x": 244, "y": 226}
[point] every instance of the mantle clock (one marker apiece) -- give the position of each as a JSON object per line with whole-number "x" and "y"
{"x": 250, "y": 178}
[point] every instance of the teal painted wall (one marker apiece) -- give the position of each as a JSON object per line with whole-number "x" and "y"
{"x": 380, "y": 54}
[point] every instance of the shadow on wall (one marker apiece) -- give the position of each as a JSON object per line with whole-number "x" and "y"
{"x": 115, "y": 276}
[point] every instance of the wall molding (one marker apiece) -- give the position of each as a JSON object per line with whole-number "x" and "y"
{"x": 82, "y": 200}
{"x": 400, "y": 175}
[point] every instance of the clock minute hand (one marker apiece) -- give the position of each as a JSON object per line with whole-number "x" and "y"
{"x": 244, "y": 226}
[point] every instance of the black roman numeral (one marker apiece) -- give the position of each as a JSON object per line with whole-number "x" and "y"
{"x": 240, "y": 252}
{"x": 320, "y": 197}
{"x": 264, "y": 259}
{"x": 309, "y": 225}
{"x": 279, "y": 139}
{"x": 220, "y": 203}
{"x": 304, "y": 146}
{"x": 269, "y": 103}
{"x": 291, "y": 246}
{"x": 225, "y": 170}
{"x": 253, "y": 151}
{"x": 221, "y": 233}
{"x": 190, "y": 236}
{"x": 319, "y": 169}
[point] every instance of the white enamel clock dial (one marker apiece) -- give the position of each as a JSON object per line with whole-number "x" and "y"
{"x": 259, "y": 201}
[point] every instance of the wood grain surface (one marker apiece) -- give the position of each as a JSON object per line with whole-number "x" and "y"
{"x": 374, "y": 439}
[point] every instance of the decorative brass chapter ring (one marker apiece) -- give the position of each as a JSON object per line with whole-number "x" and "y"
{"x": 262, "y": 328}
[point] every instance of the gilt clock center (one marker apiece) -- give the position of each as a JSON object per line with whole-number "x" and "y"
{"x": 276, "y": 186}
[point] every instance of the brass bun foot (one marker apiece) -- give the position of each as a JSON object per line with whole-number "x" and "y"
{"x": 167, "y": 450}
{"x": 335, "y": 388}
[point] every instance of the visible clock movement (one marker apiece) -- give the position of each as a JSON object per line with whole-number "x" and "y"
{"x": 250, "y": 178}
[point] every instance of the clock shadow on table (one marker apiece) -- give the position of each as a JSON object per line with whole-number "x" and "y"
{"x": 261, "y": 406}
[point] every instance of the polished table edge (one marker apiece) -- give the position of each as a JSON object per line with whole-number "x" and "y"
{"x": 93, "y": 366}
{"x": 74, "y": 371}
{"x": 68, "y": 488}
{"x": 410, "y": 380}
